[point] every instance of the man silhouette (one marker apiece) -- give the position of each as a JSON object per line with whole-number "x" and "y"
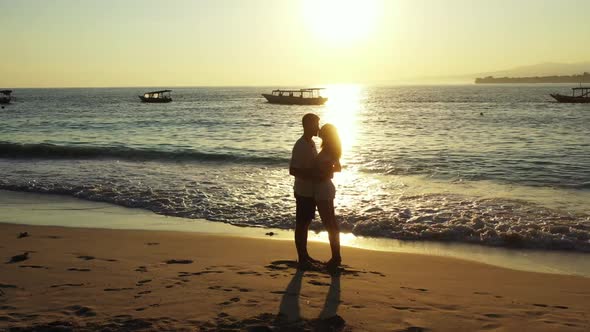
{"x": 302, "y": 168}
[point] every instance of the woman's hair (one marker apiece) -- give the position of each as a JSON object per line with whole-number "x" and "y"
{"x": 331, "y": 140}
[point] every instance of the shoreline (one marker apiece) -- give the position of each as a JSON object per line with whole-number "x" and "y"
{"x": 66, "y": 211}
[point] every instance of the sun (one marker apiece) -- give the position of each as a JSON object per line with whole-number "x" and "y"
{"x": 340, "y": 22}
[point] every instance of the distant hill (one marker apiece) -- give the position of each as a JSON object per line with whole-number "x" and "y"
{"x": 542, "y": 69}
{"x": 582, "y": 78}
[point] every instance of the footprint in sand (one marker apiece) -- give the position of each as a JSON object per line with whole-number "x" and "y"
{"x": 18, "y": 258}
{"x": 117, "y": 289}
{"x": 249, "y": 272}
{"x": 7, "y": 286}
{"x": 80, "y": 311}
{"x": 232, "y": 300}
{"x": 281, "y": 265}
{"x": 318, "y": 283}
{"x": 492, "y": 315}
{"x": 252, "y": 303}
{"x": 400, "y": 307}
{"x": 179, "y": 261}
{"x": 187, "y": 274}
{"x": 413, "y": 329}
{"x": 86, "y": 258}
{"x": 415, "y": 289}
{"x": 411, "y": 309}
{"x": 141, "y": 269}
{"x": 23, "y": 317}
{"x": 535, "y": 313}
{"x": 34, "y": 267}
{"x": 481, "y": 293}
{"x": 142, "y": 282}
{"x": 66, "y": 285}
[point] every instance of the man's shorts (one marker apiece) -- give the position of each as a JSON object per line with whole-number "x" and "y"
{"x": 305, "y": 208}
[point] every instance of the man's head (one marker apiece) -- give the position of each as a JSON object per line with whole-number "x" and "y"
{"x": 311, "y": 125}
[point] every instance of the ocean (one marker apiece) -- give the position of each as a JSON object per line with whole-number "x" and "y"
{"x": 496, "y": 165}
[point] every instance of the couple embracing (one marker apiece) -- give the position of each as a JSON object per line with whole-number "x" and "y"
{"x": 313, "y": 187}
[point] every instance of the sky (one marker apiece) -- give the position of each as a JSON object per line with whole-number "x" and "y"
{"x": 88, "y": 43}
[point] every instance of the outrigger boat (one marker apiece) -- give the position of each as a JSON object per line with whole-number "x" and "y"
{"x": 296, "y": 97}
{"x": 579, "y": 95}
{"x": 161, "y": 96}
{"x": 5, "y": 96}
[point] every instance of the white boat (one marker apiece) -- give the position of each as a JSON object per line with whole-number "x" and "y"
{"x": 296, "y": 97}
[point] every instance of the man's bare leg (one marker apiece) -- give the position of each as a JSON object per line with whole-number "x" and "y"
{"x": 301, "y": 229}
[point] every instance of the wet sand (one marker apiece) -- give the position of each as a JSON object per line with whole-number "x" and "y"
{"x": 96, "y": 279}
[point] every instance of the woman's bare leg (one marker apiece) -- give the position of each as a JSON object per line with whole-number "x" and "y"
{"x": 326, "y": 211}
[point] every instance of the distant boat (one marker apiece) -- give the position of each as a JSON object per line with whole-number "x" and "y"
{"x": 296, "y": 97}
{"x": 5, "y": 96}
{"x": 579, "y": 95}
{"x": 161, "y": 96}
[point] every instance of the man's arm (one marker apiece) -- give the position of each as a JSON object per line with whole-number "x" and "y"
{"x": 310, "y": 174}
{"x": 303, "y": 173}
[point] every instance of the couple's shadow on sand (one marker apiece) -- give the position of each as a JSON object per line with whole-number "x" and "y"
{"x": 289, "y": 315}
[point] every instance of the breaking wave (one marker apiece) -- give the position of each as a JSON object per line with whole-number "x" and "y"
{"x": 53, "y": 151}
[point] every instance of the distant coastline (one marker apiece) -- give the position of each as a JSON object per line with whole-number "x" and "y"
{"x": 581, "y": 78}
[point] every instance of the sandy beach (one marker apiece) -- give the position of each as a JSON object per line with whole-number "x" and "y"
{"x": 98, "y": 279}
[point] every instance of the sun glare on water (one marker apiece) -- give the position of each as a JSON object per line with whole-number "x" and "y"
{"x": 340, "y": 22}
{"x": 342, "y": 108}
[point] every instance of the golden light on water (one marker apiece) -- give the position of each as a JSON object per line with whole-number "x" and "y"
{"x": 341, "y": 110}
{"x": 340, "y": 22}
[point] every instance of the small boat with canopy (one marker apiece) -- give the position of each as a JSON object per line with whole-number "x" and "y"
{"x": 296, "y": 97}
{"x": 579, "y": 95}
{"x": 160, "y": 96}
{"x": 5, "y": 96}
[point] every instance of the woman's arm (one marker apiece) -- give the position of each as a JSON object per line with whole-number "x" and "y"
{"x": 337, "y": 167}
{"x": 326, "y": 169}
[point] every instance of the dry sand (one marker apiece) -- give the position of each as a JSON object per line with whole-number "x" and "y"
{"x": 96, "y": 279}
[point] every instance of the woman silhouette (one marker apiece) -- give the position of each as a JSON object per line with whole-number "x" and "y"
{"x": 328, "y": 162}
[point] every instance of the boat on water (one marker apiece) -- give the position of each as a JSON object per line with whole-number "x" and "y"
{"x": 579, "y": 95}
{"x": 5, "y": 96}
{"x": 160, "y": 96}
{"x": 296, "y": 97}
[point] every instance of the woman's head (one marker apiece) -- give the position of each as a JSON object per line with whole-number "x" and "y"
{"x": 331, "y": 140}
